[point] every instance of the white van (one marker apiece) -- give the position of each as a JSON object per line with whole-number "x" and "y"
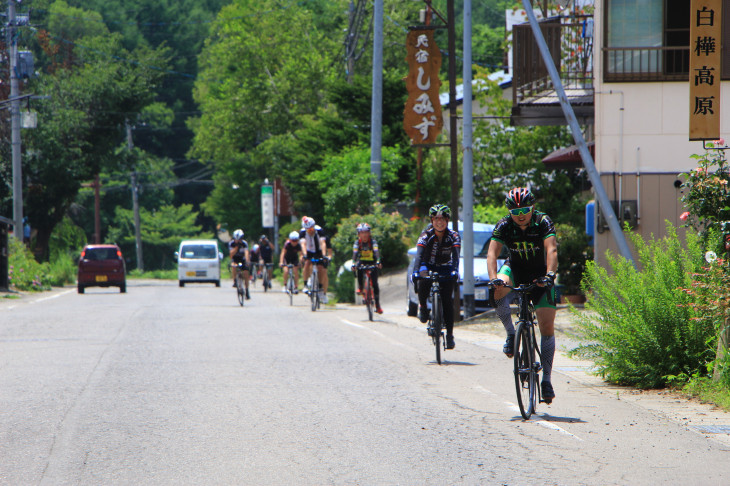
{"x": 199, "y": 261}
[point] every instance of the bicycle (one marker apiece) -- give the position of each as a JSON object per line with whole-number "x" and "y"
{"x": 435, "y": 324}
{"x": 290, "y": 286}
{"x": 265, "y": 275}
{"x": 526, "y": 367}
{"x": 240, "y": 289}
{"x": 368, "y": 297}
{"x": 314, "y": 283}
{"x": 254, "y": 271}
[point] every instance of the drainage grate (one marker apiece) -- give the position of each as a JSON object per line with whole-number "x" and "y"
{"x": 713, "y": 429}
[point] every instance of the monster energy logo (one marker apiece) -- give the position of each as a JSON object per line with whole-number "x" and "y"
{"x": 525, "y": 249}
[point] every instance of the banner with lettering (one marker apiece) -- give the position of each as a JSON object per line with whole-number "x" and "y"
{"x": 705, "y": 30}
{"x": 422, "y": 118}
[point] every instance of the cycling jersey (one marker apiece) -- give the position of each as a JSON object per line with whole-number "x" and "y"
{"x": 432, "y": 253}
{"x": 312, "y": 242}
{"x": 241, "y": 247}
{"x": 266, "y": 251}
{"x": 365, "y": 252}
{"x": 526, "y": 247}
{"x": 291, "y": 252}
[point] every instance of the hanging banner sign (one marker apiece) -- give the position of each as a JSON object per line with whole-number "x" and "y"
{"x": 422, "y": 118}
{"x": 705, "y": 31}
{"x": 267, "y": 206}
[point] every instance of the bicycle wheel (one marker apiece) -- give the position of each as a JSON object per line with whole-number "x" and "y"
{"x": 525, "y": 375}
{"x": 314, "y": 290}
{"x": 265, "y": 278}
{"x": 290, "y": 287}
{"x": 368, "y": 291}
{"x": 437, "y": 325}
{"x": 239, "y": 288}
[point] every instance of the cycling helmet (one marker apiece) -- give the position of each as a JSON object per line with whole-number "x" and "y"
{"x": 294, "y": 236}
{"x": 238, "y": 234}
{"x": 363, "y": 227}
{"x": 255, "y": 247}
{"x": 307, "y": 222}
{"x": 263, "y": 238}
{"x": 439, "y": 210}
{"x": 519, "y": 197}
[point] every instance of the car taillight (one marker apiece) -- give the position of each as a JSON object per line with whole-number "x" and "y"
{"x": 83, "y": 254}
{"x": 119, "y": 254}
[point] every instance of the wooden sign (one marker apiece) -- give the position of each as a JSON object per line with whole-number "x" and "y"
{"x": 705, "y": 30}
{"x": 422, "y": 118}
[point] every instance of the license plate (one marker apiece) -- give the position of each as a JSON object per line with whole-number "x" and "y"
{"x": 101, "y": 278}
{"x": 190, "y": 273}
{"x": 480, "y": 294}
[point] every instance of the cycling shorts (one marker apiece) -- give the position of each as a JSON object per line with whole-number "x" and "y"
{"x": 539, "y": 296}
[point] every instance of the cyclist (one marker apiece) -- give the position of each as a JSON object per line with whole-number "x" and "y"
{"x": 290, "y": 254}
{"x": 533, "y": 257}
{"x": 365, "y": 250}
{"x": 438, "y": 250}
{"x": 314, "y": 245}
{"x": 266, "y": 252}
{"x": 254, "y": 258}
{"x": 238, "y": 250}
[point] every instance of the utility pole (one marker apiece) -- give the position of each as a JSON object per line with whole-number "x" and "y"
{"x": 15, "y": 124}
{"x": 454, "y": 139}
{"x": 135, "y": 205}
{"x": 376, "y": 113}
{"x": 468, "y": 171}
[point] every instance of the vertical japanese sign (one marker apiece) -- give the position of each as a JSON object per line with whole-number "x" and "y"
{"x": 267, "y": 206}
{"x": 705, "y": 29}
{"x": 422, "y": 118}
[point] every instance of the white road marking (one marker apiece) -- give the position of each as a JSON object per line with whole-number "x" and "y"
{"x": 52, "y": 296}
{"x": 541, "y": 421}
{"x": 377, "y": 333}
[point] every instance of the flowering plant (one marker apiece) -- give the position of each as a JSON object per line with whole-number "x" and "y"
{"x": 706, "y": 194}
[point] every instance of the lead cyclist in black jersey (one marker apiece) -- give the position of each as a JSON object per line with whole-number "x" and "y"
{"x": 533, "y": 257}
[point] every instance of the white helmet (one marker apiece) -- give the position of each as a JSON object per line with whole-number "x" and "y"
{"x": 294, "y": 236}
{"x": 238, "y": 234}
{"x": 307, "y": 222}
{"x": 255, "y": 247}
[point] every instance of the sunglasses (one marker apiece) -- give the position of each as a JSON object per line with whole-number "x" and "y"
{"x": 520, "y": 211}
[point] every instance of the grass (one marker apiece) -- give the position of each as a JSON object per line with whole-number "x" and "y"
{"x": 708, "y": 390}
{"x": 154, "y": 274}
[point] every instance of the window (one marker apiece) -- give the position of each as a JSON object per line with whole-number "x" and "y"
{"x": 647, "y": 40}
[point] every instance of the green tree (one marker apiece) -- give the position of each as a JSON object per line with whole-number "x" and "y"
{"x": 161, "y": 232}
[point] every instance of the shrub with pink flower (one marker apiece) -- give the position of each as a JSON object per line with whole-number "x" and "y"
{"x": 705, "y": 192}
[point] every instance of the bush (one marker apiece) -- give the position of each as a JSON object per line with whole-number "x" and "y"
{"x": 389, "y": 229}
{"x": 24, "y": 272}
{"x": 574, "y": 251}
{"x": 641, "y": 327}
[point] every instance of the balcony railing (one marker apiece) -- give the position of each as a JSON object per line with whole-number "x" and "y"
{"x": 646, "y": 63}
{"x": 570, "y": 42}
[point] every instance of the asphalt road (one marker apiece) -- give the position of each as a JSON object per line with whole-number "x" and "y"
{"x": 169, "y": 385}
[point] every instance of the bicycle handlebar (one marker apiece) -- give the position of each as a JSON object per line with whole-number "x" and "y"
{"x": 523, "y": 288}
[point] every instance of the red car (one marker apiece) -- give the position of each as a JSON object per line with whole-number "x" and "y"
{"x": 101, "y": 266}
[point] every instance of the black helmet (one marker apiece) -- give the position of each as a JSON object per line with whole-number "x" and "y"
{"x": 519, "y": 197}
{"x": 440, "y": 210}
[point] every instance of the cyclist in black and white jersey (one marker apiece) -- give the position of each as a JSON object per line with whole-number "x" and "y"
{"x": 533, "y": 257}
{"x": 238, "y": 251}
{"x": 314, "y": 245}
{"x": 438, "y": 250}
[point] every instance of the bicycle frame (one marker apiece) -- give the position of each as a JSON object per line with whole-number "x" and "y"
{"x": 314, "y": 285}
{"x": 368, "y": 292}
{"x": 436, "y": 320}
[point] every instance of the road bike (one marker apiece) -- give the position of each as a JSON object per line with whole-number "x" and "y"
{"x": 265, "y": 275}
{"x": 527, "y": 356}
{"x": 254, "y": 272}
{"x": 240, "y": 288}
{"x": 436, "y": 319}
{"x": 314, "y": 283}
{"x": 368, "y": 296}
{"x": 290, "y": 286}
